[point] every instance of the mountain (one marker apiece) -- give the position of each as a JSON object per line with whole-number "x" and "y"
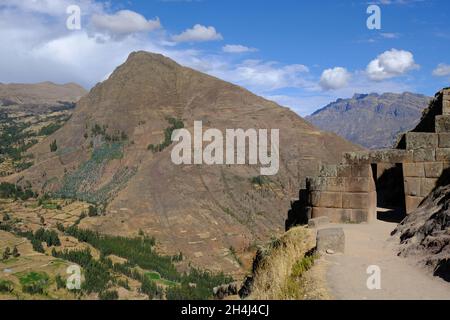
{"x": 103, "y": 154}
{"x": 371, "y": 120}
{"x": 39, "y": 93}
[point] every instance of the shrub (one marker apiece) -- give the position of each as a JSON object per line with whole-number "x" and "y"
{"x": 92, "y": 211}
{"x": 34, "y": 282}
{"x": 108, "y": 295}
{"x": 6, "y": 286}
{"x": 60, "y": 282}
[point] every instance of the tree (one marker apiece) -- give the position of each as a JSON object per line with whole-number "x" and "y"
{"x": 37, "y": 245}
{"x": 53, "y": 146}
{"x": 6, "y": 253}
{"x": 60, "y": 283}
{"x": 15, "y": 252}
{"x": 92, "y": 211}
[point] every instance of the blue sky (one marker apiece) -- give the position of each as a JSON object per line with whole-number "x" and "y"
{"x": 302, "y": 54}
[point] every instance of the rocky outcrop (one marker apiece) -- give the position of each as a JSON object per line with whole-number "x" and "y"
{"x": 425, "y": 233}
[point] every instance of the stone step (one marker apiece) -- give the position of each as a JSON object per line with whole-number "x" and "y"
{"x": 444, "y": 140}
{"x": 442, "y": 124}
{"x": 446, "y": 102}
{"x": 421, "y": 140}
{"x": 378, "y": 156}
{"x": 346, "y": 170}
{"x": 340, "y": 184}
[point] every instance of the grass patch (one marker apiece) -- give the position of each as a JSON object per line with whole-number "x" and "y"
{"x": 283, "y": 258}
{"x": 34, "y": 282}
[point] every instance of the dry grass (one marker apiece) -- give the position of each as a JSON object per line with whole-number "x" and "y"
{"x": 281, "y": 275}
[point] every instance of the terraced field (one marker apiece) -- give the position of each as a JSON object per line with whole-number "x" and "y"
{"x": 24, "y": 125}
{"x": 40, "y": 240}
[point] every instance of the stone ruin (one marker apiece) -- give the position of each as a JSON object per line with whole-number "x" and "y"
{"x": 351, "y": 191}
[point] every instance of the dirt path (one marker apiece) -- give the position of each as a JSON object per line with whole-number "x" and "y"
{"x": 370, "y": 244}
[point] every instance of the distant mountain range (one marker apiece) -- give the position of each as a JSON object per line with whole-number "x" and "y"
{"x": 371, "y": 120}
{"x": 39, "y": 93}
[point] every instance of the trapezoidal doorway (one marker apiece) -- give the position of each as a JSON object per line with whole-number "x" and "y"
{"x": 390, "y": 188}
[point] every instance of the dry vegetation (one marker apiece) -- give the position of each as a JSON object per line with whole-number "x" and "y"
{"x": 286, "y": 271}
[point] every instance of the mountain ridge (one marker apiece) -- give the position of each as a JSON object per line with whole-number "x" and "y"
{"x": 371, "y": 120}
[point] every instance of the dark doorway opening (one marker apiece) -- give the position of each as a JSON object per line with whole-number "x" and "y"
{"x": 390, "y": 191}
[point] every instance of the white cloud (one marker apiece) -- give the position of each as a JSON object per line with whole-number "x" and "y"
{"x": 237, "y": 48}
{"x": 198, "y": 33}
{"x": 54, "y": 8}
{"x": 390, "y": 64}
{"x": 442, "y": 70}
{"x": 123, "y": 22}
{"x": 335, "y": 78}
{"x": 265, "y": 76}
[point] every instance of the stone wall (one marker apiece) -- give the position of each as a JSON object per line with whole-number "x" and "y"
{"x": 346, "y": 192}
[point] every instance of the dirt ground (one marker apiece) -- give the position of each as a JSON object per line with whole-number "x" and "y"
{"x": 371, "y": 245}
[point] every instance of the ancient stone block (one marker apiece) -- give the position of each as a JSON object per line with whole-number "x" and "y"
{"x": 334, "y": 214}
{"x": 359, "y": 157}
{"x": 443, "y": 154}
{"x": 412, "y": 169}
{"x": 442, "y": 124}
{"x": 363, "y": 170}
{"x": 426, "y": 186}
{"x": 359, "y": 184}
{"x": 391, "y": 156}
{"x": 318, "y": 222}
{"x": 412, "y": 203}
{"x": 323, "y": 212}
{"x": 331, "y": 239}
{"x": 445, "y": 165}
{"x": 360, "y": 215}
{"x": 315, "y": 183}
{"x": 446, "y": 107}
{"x": 424, "y": 155}
{"x": 328, "y": 170}
{"x": 378, "y": 156}
{"x": 344, "y": 170}
{"x": 433, "y": 169}
{"x": 444, "y": 140}
{"x": 356, "y": 201}
{"x": 412, "y": 186}
{"x": 326, "y": 199}
{"x": 421, "y": 140}
{"x": 334, "y": 184}
{"x": 325, "y": 184}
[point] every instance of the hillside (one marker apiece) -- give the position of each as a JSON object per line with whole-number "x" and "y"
{"x": 103, "y": 155}
{"x": 371, "y": 120}
{"x": 29, "y": 113}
